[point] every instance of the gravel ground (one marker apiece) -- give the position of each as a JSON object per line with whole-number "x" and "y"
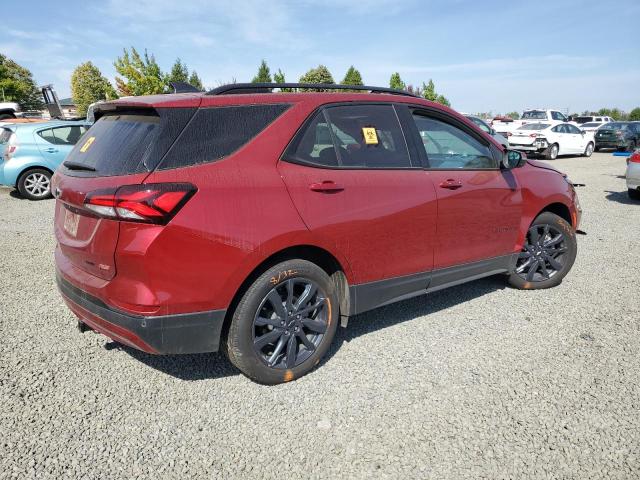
{"x": 478, "y": 381}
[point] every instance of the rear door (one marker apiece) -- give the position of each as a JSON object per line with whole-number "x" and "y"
{"x": 355, "y": 184}
{"x": 55, "y": 143}
{"x": 479, "y": 205}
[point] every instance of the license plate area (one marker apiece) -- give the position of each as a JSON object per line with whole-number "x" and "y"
{"x": 71, "y": 221}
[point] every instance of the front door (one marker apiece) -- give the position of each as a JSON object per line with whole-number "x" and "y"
{"x": 354, "y": 183}
{"x": 479, "y": 205}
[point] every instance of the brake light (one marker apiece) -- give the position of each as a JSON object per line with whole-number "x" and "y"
{"x": 148, "y": 203}
{"x": 509, "y": 134}
{"x": 534, "y": 135}
{"x": 635, "y": 157}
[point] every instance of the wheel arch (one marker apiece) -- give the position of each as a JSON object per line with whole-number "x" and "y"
{"x": 312, "y": 253}
{"x": 559, "y": 209}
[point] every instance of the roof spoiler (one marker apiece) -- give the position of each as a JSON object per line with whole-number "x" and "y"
{"x": 183, "y": 87}
{"x": 237, "y": 88}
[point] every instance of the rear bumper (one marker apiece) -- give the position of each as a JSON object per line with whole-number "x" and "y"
{"x": 611, "y": 143}
{"x": 169, "y": 334}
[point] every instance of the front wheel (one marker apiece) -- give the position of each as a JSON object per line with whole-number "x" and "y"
{"x": 284, "y": 323}
{"x": 547, "y": 255}
{"x": 35, "y": 184}
{"x": 589, "y": 150}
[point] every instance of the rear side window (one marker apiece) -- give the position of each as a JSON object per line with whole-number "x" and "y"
{"x": 355, "y": 136}
{"x": 5, "y": 134}
{"x": 215, "y": 133}
{"x": 68, "y": 135}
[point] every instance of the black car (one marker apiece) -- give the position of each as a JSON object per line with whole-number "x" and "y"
{"x": 618, "y": 135}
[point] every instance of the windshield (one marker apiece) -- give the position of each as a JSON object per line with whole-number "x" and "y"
{"x": 534, "y": 115}
{"x": 614, "y": 126}
{"x": 534, "y": 126}
{"x": 583, "y": 119}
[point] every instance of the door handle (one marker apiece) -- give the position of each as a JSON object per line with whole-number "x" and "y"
{"x": 327, "y": 186}
{"x": 451, "y": 184}
{"x": 51, "y": 150}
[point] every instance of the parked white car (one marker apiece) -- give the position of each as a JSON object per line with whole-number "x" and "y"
{"x": 583, "y": 119}
{"x": 552, "y": 140}
{"x": 551, "y": 117}
{"x": 633, "y": 175}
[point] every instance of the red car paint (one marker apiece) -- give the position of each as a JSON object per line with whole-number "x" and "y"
{"x": 251, "y": 205}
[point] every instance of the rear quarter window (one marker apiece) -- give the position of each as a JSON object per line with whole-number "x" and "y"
{"x": 217, "y": 132}
{"x": 5, "y": 134}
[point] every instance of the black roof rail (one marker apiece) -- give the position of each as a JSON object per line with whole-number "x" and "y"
{"x": 183, "y": 87}
{"x": 236, "y": 88}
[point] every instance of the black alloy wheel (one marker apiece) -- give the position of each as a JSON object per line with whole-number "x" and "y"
{"x": 543, "y": 254}
{"x": 547, "y": 255}
{"x": 290, "y": 323}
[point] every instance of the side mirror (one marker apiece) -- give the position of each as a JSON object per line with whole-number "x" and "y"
{"x": 512, "y": 159}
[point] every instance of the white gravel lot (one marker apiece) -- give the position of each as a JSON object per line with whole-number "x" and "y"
{"x": 478, "y": 381}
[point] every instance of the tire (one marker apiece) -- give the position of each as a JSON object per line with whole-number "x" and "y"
{"x": 35, "y": 184}
{"x": 597, "y": 149}
{"x": 6, "y": 116}
{"x": 551, "y": 153}
{"x": 631, "y": 147}
{"x": 553, "y": 253}
{"x": 261, "y": 334}
{"x": 589, "y": 150}
{"x": 634, "y": 194}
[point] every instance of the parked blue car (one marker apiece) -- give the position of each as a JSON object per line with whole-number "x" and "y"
{"x": 33, "y": 151}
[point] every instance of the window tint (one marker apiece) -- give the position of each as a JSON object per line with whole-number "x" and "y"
{"x": 534, "y": 126}
{"x": 357, "y": 136}
{"x": 558, "y": 116}
{"x": 214, "y": 133}
{"x": 68, "y": 135}
{"x": 572, "y": 128}
{"x": 47, "y": 135}
{"x": 450, "y": 148}
{"x": 534, "y": 115}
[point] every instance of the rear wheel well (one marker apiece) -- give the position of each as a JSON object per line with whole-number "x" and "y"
{"x": 313, "y": 254}
{"x": 28, "y": 169}
{"x": 559, "y": 209}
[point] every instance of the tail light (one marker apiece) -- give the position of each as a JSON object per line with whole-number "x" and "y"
{"x": 509, "y": 134}
{"x": 151, "y": 203}
{"x": 534, "y": 135}
{"x": 619, "y": 134}
{"x": 635, "y": 157}
{"x": 10, "y": 149}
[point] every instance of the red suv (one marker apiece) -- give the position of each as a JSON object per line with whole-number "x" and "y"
{"x": 254, "y": 222}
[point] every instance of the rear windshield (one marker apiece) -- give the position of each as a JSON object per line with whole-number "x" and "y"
{"x": 534, "y": 115}
{"x": 5, "y": 134}
{"x": 614, "y": 126}
{"x": 591, "y": 124}
{"x": 534, "y": 126}
{"x": 583, "y": 119}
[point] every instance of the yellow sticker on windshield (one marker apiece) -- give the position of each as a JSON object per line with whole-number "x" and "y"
{"x": 87, "y": 144}
{"x": 370, "y": 135}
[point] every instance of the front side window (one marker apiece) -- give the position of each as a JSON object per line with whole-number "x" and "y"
{"x": 355, "y": 136}
{"x": 450, "y": 148}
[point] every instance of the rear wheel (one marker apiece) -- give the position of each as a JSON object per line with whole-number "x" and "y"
{"x": 589, "y": 150}
{"x": 634, "y": 194}
{"x": 547, "y": 255}
{"x": 35, "y": 184}
{"x": 552, "y": 152}
{"x": 284, "y": 323}
{"x": 632, "y": 146}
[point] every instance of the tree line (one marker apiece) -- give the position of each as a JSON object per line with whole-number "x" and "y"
{"x": 140, "y": 74}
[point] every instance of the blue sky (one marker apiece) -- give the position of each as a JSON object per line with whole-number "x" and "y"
{"x": 483, "y": 55}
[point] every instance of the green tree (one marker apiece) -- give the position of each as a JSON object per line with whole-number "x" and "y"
{"x": 605, "y": 112}
{"x": 17, "y": 85}
{"x": 442, "y": 100}
{"x": 634, "y": 115}
{"x": 142, "y": 74}
{"x": 88, "y": 86}
{"x": 514, "y": 115}
{"x": 429, "y": 91}
{"x": 320, "y": 74}
{"x": 617, "y": 114}
{"x": 352, "y": 77}
{"x": 179, "y": 72}
{"x": 278, "y": 77}
{"x": 396, "y": 82}
{"x": 263, "y": 75}
{"x": 194, "y": 80}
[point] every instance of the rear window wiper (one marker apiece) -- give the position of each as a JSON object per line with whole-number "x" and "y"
{"x": 78, "y": 166}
